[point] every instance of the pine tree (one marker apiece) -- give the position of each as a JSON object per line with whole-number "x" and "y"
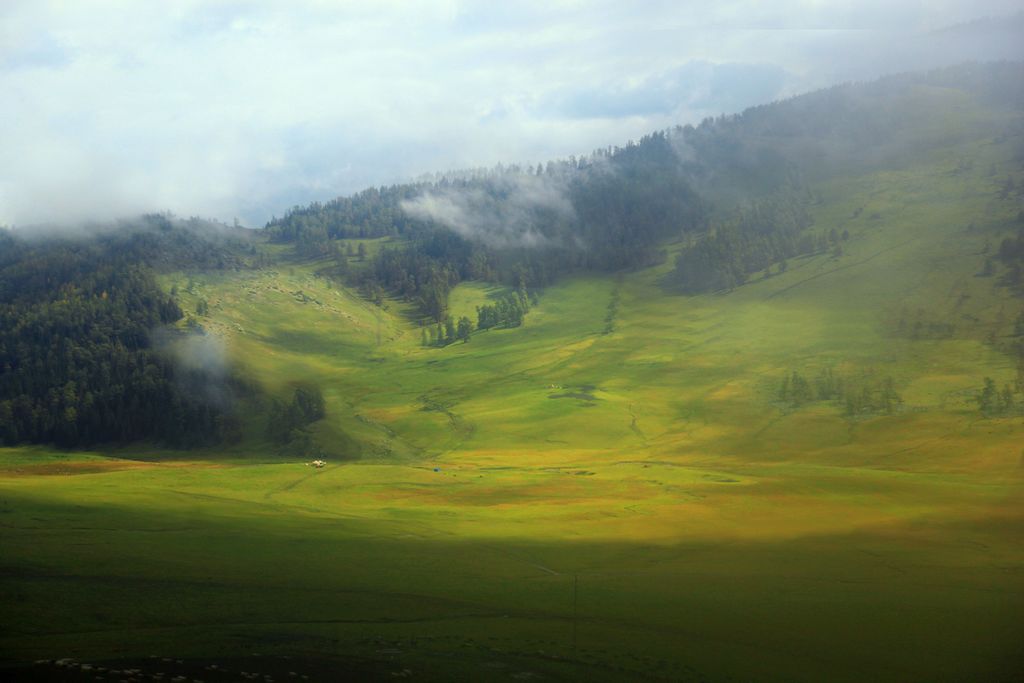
{"x": 987, "y": 398}
{"x": 1006, "y": 404}
{"x": 890, "y": 399}
{"x": 465, "y": 327}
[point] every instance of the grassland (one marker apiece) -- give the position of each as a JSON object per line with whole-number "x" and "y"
{"x": 707, "y": 530}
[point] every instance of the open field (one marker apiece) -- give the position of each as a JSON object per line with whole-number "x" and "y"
{"x": 708, "y": 530}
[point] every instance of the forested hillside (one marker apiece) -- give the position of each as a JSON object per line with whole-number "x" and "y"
{"x": 729, "y": 198}
{"x": 79, "y": 356}
{"x": 739, "y": 182}
{"x": 519, "y": 226}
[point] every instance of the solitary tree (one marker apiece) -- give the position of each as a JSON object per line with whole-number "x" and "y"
{"x": 1006, "y": 400}
{"x": 987, "y": 397}
{"x": 465, "y": 326}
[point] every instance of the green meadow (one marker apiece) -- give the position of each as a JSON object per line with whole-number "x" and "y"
{"x": 613, "y": 491}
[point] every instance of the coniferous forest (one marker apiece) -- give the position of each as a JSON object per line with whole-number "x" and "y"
{"x": 80, "y": 362}
{"x": 735, "y": 185}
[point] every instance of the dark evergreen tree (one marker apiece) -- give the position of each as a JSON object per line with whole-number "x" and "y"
{"x": 988, "y": 398}
{"x": 463, "y": 329}
{"x": 287, "y": 422}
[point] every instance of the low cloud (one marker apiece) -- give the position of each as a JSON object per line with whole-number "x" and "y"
{"x": 225, "y": 109}
{"x": 507, "y": 210}
{"x": 694, "y": 87}
{"x": 202, "y": 362}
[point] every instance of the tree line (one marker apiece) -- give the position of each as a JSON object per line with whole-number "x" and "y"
{"x": 864, "y": 397}
{"x": 448, "y": 332}
{"x": 993, "y": 402}
{"x": 508, "y": 311}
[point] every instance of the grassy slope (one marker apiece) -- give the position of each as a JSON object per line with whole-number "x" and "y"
{"x": 714, "y": 533}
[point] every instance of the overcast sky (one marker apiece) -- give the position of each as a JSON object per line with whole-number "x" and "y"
{"x": 242, "y": 109}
